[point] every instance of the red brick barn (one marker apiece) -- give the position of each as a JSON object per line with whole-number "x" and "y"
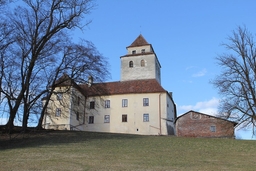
{"x": 195, "y": 124}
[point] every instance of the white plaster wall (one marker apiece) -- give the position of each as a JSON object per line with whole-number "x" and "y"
{"x": 62, "y": 122}
{"x": 75, "y": 107}
{"x": 158, "y": 110}
{"x": 134, "y": 111}
{"x": 168, "y": 115}
{"x": 69, "y": 106}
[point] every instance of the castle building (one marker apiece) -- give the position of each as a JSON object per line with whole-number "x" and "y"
{"x": 137, "y": 104}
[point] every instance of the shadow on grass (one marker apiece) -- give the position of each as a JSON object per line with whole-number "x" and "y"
{"x": 54, "y": 137}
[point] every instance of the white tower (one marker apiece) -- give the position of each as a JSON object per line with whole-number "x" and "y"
{"x": 140, "y": 62}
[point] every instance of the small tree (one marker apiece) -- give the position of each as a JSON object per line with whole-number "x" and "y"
{"x": 237, "y": 81}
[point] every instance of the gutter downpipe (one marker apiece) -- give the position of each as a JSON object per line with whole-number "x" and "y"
{"x": 71, "y": 106}
{"x": 160, "y": 126}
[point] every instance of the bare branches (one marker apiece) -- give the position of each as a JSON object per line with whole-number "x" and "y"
{"x": 237, "y": 81}
{"x": 36, "y": 50}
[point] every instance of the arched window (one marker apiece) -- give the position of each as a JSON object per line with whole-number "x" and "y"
{"x": 131, "y": 64}
{"x": 142, "y": 63}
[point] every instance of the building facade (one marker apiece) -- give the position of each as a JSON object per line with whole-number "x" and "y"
{"x": 195, "y": 124}
{"x": 137, "y": 104}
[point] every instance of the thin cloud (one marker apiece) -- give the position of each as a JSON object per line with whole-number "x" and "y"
{"x": 208, "y": 107}
{"x": 200, "y": 73}
{"x": 190, "y": 67}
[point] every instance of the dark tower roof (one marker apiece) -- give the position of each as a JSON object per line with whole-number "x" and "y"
{"x": 139, "y": 41}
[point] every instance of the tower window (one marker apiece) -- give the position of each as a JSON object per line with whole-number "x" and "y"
{"x": 134, "y": 52}
{"x": 131, "y": 64}
{"x": 142, "y": 50}
{"x": 142, "y": 63}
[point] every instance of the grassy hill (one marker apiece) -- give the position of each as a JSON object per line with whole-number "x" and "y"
{"x": 63, "y": 150}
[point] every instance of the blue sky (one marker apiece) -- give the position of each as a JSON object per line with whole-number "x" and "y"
{"x": 186, "y": 36}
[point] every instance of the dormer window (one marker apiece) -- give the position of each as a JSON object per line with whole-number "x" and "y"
{"x": 134, "y": 52}
{"x": 131, "y": 64}
{"x": 142, "y": 50}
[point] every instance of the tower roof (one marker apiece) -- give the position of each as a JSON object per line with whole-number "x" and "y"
{"x": 139, "y": 41}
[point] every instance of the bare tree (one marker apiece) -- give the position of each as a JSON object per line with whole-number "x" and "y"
{"x": 41, "y": 51}
{"x": 79, "y": 61}
{"x": 237, "y": 81}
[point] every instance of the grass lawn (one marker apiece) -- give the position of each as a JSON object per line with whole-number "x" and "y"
{"x": 63, "y": 150}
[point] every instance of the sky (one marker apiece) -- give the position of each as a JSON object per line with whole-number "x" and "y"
{"x": 186, "y": 36}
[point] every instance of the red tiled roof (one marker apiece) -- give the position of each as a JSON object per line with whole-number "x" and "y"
{"x": 64, "y": 80}
{"x": 123, "y": 87}
{"x": 139, "y": 41}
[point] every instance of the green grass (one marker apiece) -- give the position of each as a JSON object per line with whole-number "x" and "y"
{"x": 60, "y": 150}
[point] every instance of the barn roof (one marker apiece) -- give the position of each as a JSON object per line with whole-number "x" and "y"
{"x": 235, "y": 123}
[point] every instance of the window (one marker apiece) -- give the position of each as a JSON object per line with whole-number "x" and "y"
{"x": 145, "y": 102}
{"x": 91, "y": 119}
{"x": 59, "y": 96}
{"x": 84, "y": 118}
{"x": 92, "y": 105}
{"x": 124, "y": 102}
{"x": 107, "y": 103}
{"x": 134, "y": 52}
{"x": 124, "y": 118}
{"x": 106, "y": 119}
{"x": 142, "y": 63}
{"x": 146, "y": 117}
{"x": 213, "y": 128}
{"x": 77, "y": 116}
{"x": 142, "y": 50}
{"x": 58, "y": 112}
{"x": 78, "y": 100}
{"x": 131, "y": 64}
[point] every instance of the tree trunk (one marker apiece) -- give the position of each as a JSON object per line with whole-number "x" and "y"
{"x": 9, "y": 124}
{"x": 40, "y": 121}
{"x": 25, "y": 121}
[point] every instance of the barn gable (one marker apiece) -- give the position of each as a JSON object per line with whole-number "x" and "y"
{"x": 195, "y": 124}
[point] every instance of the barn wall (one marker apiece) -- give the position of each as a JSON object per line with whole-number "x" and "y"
{"x": 194, "y": 124}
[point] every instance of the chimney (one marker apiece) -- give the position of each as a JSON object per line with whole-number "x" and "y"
{"x": 90, "y": 81}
